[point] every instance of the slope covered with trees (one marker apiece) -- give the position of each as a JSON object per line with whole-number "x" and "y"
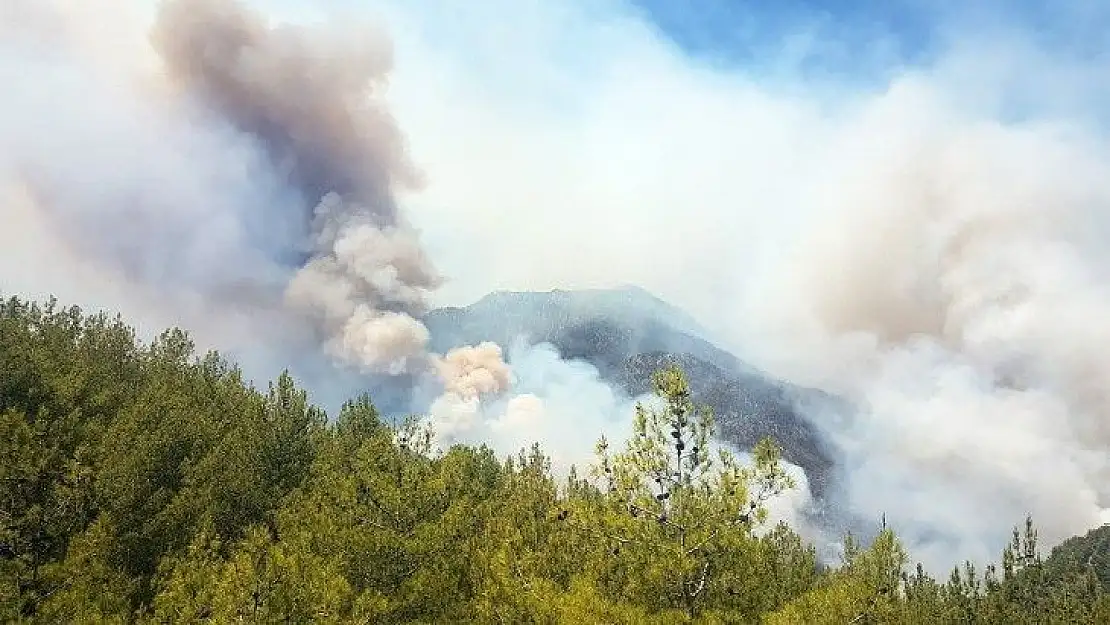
{"x": 144, "y": 483}
{"x": 627, "y": 334}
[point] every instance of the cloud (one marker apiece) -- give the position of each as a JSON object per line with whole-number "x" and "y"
{"x": 926, "y": 237}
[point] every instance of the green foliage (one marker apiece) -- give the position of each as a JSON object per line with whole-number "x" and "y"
{"x": 144, "y": 483}
{"x": 677, "y": 520}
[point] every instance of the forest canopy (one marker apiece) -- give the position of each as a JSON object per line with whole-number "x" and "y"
{"x": 143, "y": 482}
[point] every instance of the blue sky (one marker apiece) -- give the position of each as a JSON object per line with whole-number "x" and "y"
{"x": 845, "y": 41}
{"x": 735, "y": 31}
{"x": 868, "y": 40}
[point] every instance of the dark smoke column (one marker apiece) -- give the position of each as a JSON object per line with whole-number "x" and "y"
{"x": 307, "y": 96}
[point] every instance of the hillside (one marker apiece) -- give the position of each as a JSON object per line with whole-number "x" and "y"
{"x": 1090, "y": 551}
{"x": 628, "y": 333}
{"x": 598, "y": 325}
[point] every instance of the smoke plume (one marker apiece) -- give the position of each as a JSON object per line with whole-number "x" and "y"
{"x": 309, "y": 100}
{"x": 532, "y": 396}
{"x": 965, "y": 318}
{"x": 364, "y": 284}
{"x": 308, "y": 95}
{"x": 470, "y": 372}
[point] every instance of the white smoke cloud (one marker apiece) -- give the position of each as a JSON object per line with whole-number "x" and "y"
{"x": 363, "y": 284}
{"x": 963, "y": 315}
{"x": 932, "y": 247}
{"x": 472, "y": 371}
{"x": 533, "y": 397}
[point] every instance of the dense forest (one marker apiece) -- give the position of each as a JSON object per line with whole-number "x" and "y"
{"x": 146, "y": 483}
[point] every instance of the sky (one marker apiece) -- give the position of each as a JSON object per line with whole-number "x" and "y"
{"x": 735, "y": 34}
{"x": 906, "y": 202}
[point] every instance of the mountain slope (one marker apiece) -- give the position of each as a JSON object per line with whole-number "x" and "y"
{"x": 1081, "y": 553}
{"x": 602, "y": 326}
{"x": 628, "y": 334}
{"x": 747, "y": 408}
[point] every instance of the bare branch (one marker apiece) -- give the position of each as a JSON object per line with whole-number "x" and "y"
{"x": 702, "y": 581}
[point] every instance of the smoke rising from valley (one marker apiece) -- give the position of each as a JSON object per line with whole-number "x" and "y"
{"x": 927, "y": 241}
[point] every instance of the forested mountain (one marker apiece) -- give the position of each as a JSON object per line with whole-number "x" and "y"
{"x": 627, "y": 334}
{"x": 145, "y": 483}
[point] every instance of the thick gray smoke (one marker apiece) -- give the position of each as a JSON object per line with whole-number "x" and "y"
{"x": 247, "y": 181}
{"x": 102, "y": 169}
{"x": 308, "y": 97}
{"x": 242, "y": 151}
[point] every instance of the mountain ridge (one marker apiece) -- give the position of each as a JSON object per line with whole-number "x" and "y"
{"x": 628, "y": 333}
